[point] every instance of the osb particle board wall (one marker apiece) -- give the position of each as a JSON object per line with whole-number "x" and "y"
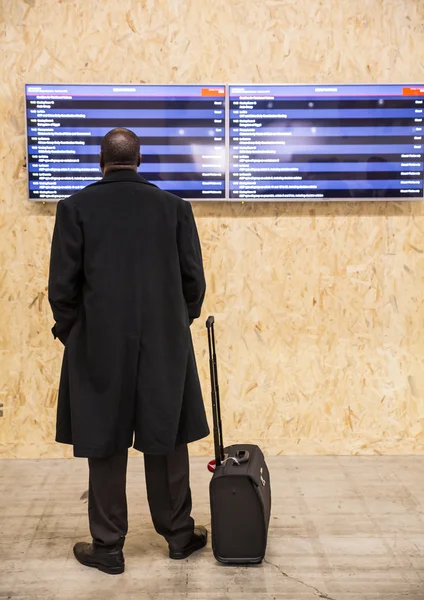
{"x": 319, "y": 306}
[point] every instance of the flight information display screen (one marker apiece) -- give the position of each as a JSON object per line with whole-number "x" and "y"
{"x": 311, "y": 142}
{"x": 181, "y": 130}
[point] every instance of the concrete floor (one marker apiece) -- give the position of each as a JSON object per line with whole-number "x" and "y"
{"x": 342, "y": 528}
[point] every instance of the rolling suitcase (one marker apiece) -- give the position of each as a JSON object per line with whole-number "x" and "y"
{"x": 240, "y": 492}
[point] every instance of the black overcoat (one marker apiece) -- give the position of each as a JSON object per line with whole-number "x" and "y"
{"x": 126, "y": 280}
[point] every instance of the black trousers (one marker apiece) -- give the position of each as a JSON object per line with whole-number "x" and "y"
{"x": 168, "y": 492}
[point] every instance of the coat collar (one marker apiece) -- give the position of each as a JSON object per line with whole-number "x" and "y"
{"x": 124, "y": 175}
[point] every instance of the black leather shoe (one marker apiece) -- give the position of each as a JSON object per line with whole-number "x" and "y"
{"x": 107, "y": 559}
{"x": 197, "y": 542}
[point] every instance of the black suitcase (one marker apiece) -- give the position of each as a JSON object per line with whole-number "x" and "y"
{"x": 240, "y": 491}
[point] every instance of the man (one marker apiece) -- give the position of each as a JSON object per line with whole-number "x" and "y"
{"x": 126, "y": 281}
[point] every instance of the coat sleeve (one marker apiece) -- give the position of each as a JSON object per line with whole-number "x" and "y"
{"x": 191, "y": 263}
{"x": 66, "y": 270}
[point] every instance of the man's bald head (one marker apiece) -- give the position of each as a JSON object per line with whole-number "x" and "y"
{"x": 120, "y": 150}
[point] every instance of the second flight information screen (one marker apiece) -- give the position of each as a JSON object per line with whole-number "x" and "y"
{"x": 312, "y": 142}
{"x": 181, "y": 130}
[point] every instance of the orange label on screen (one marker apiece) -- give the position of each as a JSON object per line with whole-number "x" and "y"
{"x": 215, "y": 92}
{"x": 413, "y": 91}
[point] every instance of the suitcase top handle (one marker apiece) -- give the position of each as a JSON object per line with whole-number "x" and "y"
{"x": 240, "y": 457}
{"x": 210, "y": 322}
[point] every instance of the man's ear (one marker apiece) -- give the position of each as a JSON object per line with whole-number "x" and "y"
{"x": 140, "y": 158}
{"x": 102, "y": 164}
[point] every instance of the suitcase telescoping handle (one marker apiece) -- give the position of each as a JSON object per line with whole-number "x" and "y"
{"x": 216, "y": 403}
